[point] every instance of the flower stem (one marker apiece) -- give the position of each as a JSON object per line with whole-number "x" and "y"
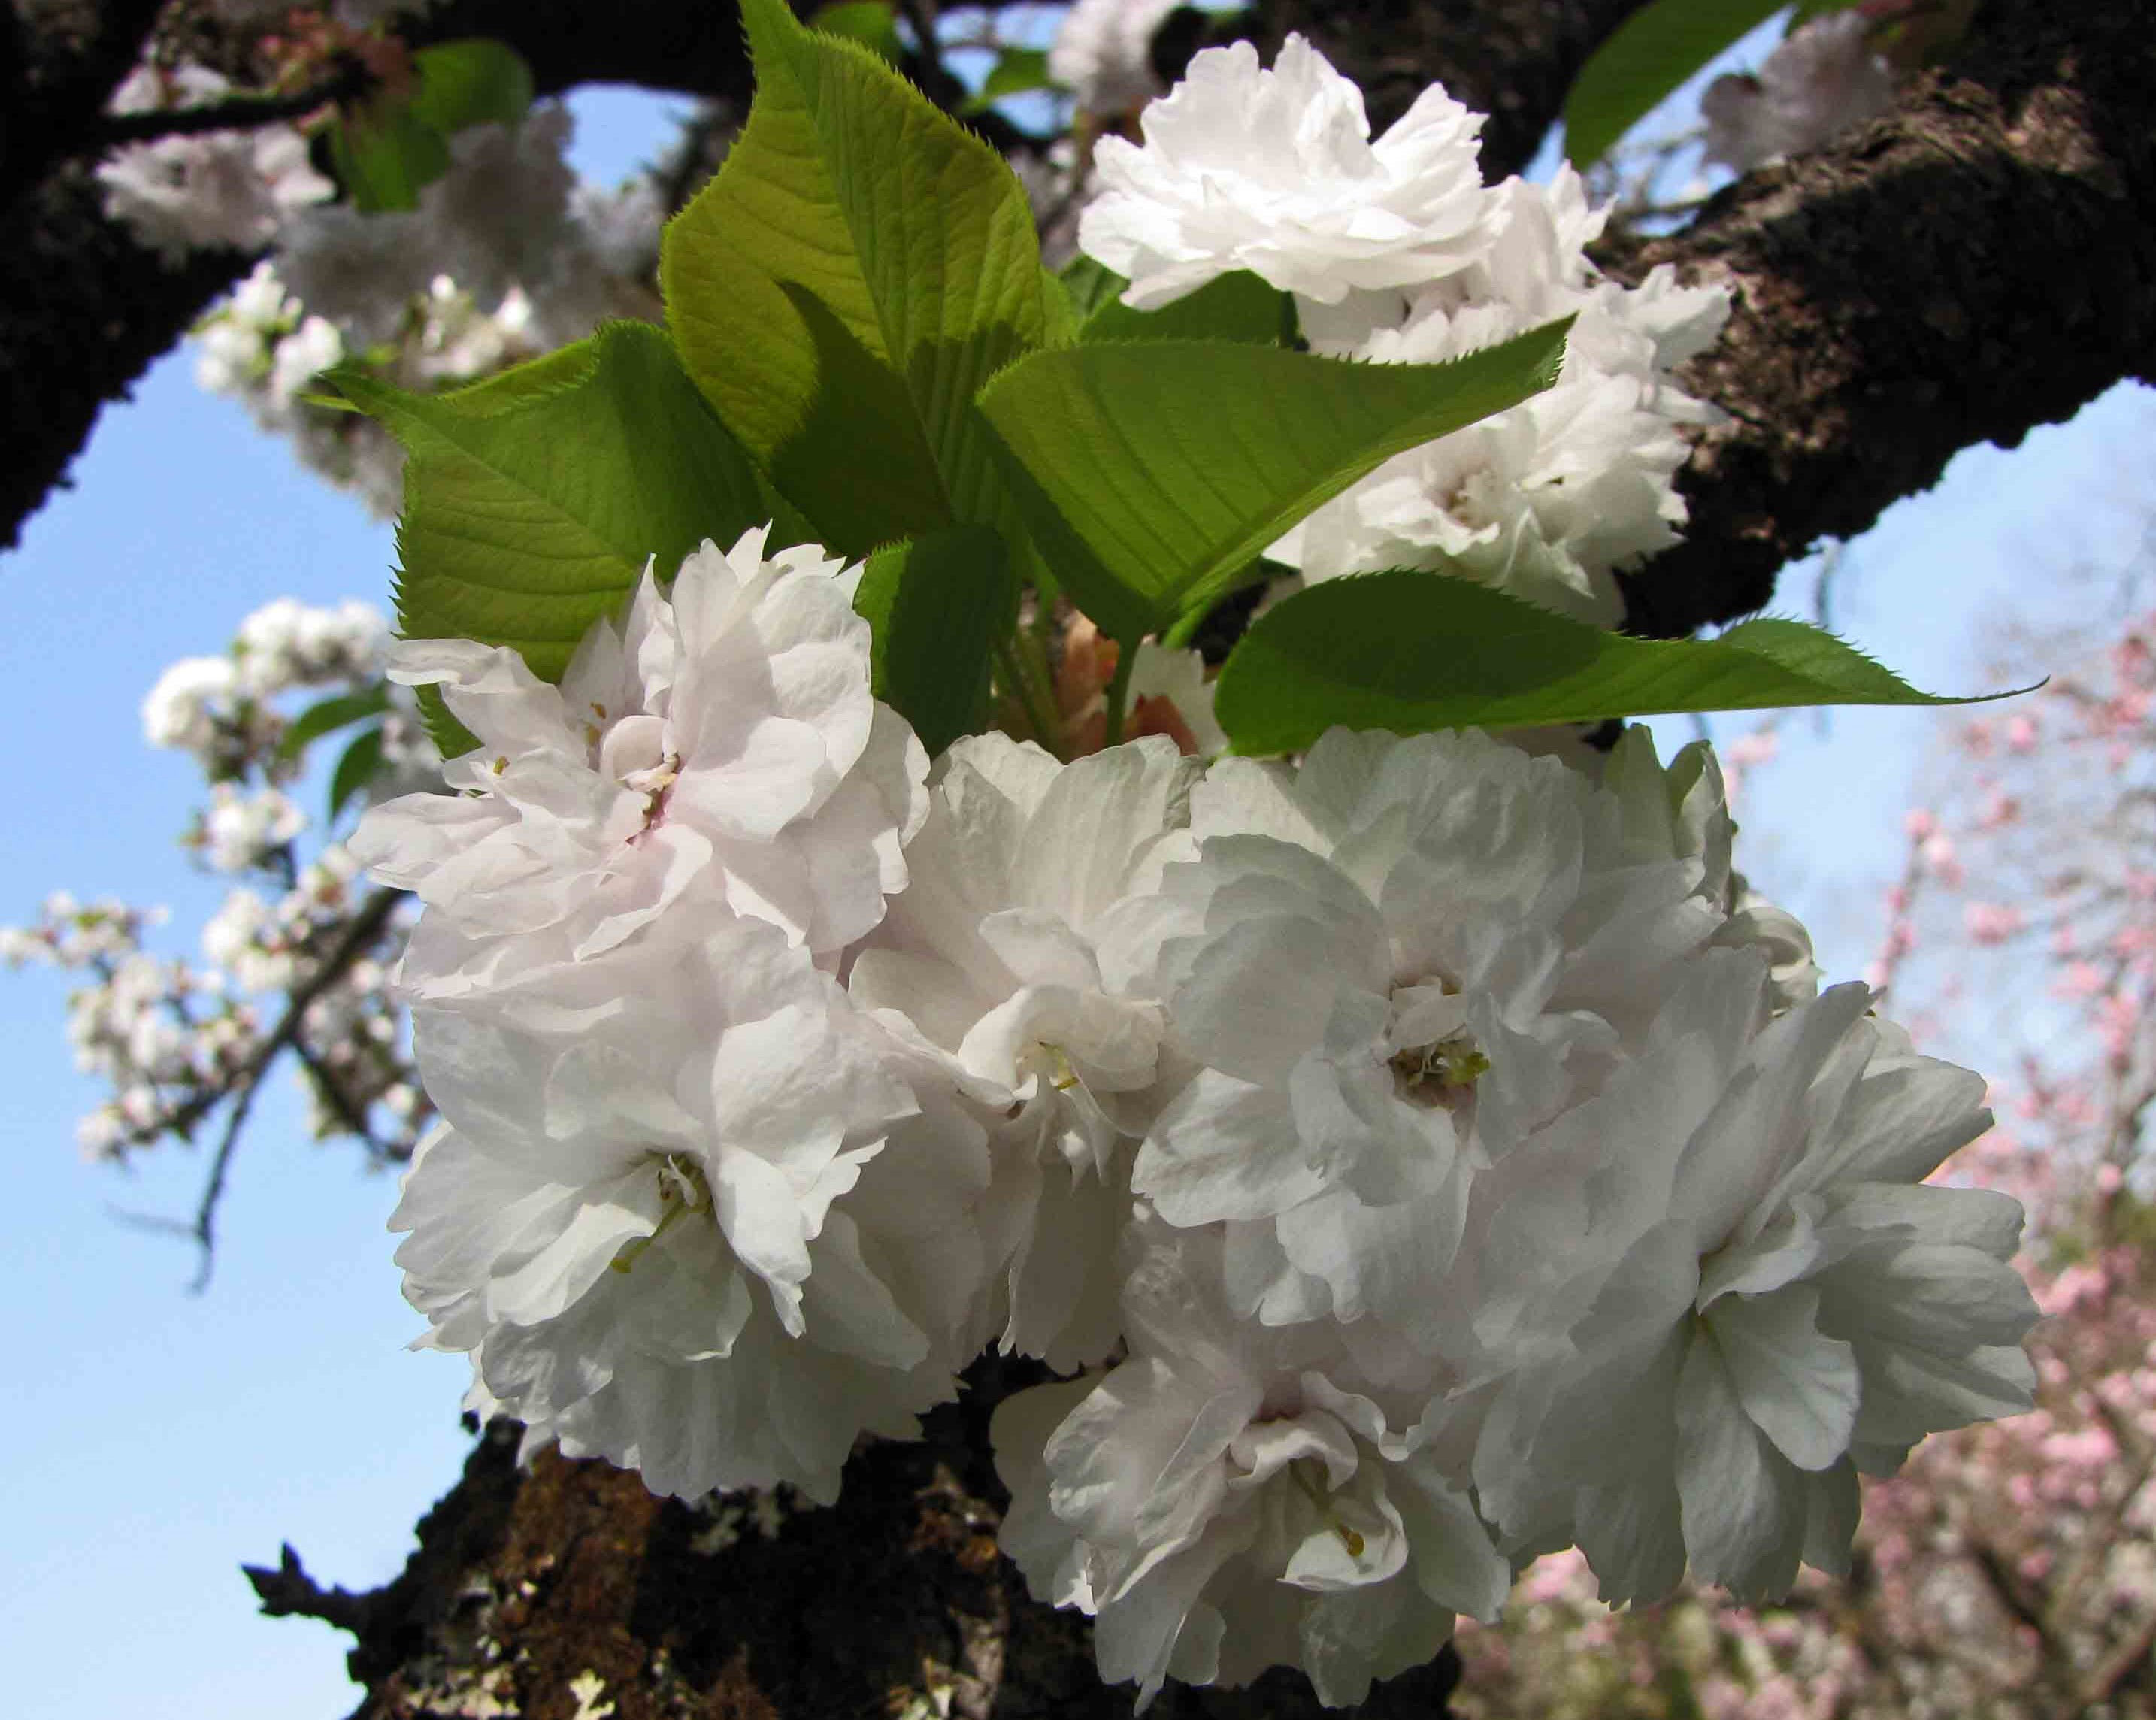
{"x": 1119, "y": 691}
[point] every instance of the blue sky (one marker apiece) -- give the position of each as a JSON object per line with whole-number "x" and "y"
{"x": 157, "y": 1439}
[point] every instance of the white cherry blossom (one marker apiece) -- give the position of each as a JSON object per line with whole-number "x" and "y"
{"x": 1273, "y": 170}
{"x": 1232, "y": 1497}
{"x": 651, "y": 1219}
{"x": 990, "y": 956}
{"x": 1762, "y": 1297}
{"x": 717, "y": 750}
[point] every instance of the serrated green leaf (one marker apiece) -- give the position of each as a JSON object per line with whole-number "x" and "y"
{"x": 531, "y": 501}
{"x": 1645, "y": 58}
{"x": 1060, "y": 322}
{"x": 451, "y": 738}
{"x": 1414, "y": 651}
{"x": 356, "y": 768}
{"x": 936, "y": 606}
{"x": 1235, "y": 307}
{"x": 869, "y": 23}
{"x": 1153, "y": 473}
{"x": 328, "y": 714}
{"x": 859, "y": 267}
{"x": 1016, "y": 70}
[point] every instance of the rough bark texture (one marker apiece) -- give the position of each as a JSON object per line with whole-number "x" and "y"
{"x": 892, "y": 1605}
{"x": 1981, "y": 261}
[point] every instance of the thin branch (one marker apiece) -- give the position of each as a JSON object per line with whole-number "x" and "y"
{"x": 235, "y": 113}
{"x": 359, "y": 933}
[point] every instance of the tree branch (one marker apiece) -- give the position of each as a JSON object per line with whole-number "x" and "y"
{"x": 240, "y": 1087}
{"x": 1980, "y": 261}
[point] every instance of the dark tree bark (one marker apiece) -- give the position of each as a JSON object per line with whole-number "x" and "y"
{"x": 885, "y": 1606}
{"x": 1979, "y": 262}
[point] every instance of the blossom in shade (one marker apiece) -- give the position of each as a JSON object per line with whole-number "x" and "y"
{"x": 1232, "y": 1497}
{"x": 1273, "y": 170}
{"x": 1760, "y": 1296}
{"x": 717, "y": 750}
{"x": 186, "y": 193}
{"x": 1103, "y": 53}
{"x": 1820, "y": 79}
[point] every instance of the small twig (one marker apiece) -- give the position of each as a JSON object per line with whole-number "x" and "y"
{"x": 234, "y": 114}
{"x": 363, "y": 928}
{"x": 348, "y": 1112}
{"x": 289, "y": 1592}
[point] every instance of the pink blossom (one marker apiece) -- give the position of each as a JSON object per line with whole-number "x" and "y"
{"x": 1991, "y": 922}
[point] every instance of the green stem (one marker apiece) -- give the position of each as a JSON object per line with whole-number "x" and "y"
{"x": 1119, "y": 690}
{"x": 1178, "y": 637}
{"x": 1011, "y": 664}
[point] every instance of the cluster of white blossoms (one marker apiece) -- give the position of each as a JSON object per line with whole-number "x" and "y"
{"x": 219, "y": 708}
{"x": 185, "y": 192}
{"x": 508, "y": 256}
{"x": 1431, "y": 1153}
{"x": 1103, "y": 55}
{"x": 1397, "y": 252}
{"x": 172, "y": 1036}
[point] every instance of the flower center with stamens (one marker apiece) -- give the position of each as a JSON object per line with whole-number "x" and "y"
{"x": 682, "y": 1189}
{"x": 1442, "y": 1074}
{"x": 1308, "y": 1474}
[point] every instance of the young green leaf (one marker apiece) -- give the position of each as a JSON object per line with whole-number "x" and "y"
{"x": 474, "y": 81}
{"x": 356, "y": 768}
{"x": 326, "y": 715}
{"x": 1235, "y": 307}
{"x": 858, "y": 268}
{"x": 1412, "y": 651}
{"x": 532, "y": 501}
{"x": 869, "y": 23}
{"x": 1016, "y": 71}
{"x": 937, "y": 606}
{"x": 1151, "y": 474}
{"x": 1648, "y": 56}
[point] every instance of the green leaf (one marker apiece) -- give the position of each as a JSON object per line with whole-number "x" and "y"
{"x": 1153, "y": 473}
{"x": 1648, "y": 56}
{"x": 332, "y": 714}
{"x": 1060, "y": 322}
{"x": 1091, "y": 285}
{"x": 1016, "y": 70}
{"x": 1235, "y": 307}
{"x": 387, "y": 148}
{"x": 383, "y": 153}
{"x": 356, "y": 768}
{"x": 1413, "y": 651}
{"x": 869, "y": 23}
{"x": 859, "y": 267}
{"x": 475, "y": 81}
{"x": 937, "y": 606}
{"x": 532, "y": 501}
